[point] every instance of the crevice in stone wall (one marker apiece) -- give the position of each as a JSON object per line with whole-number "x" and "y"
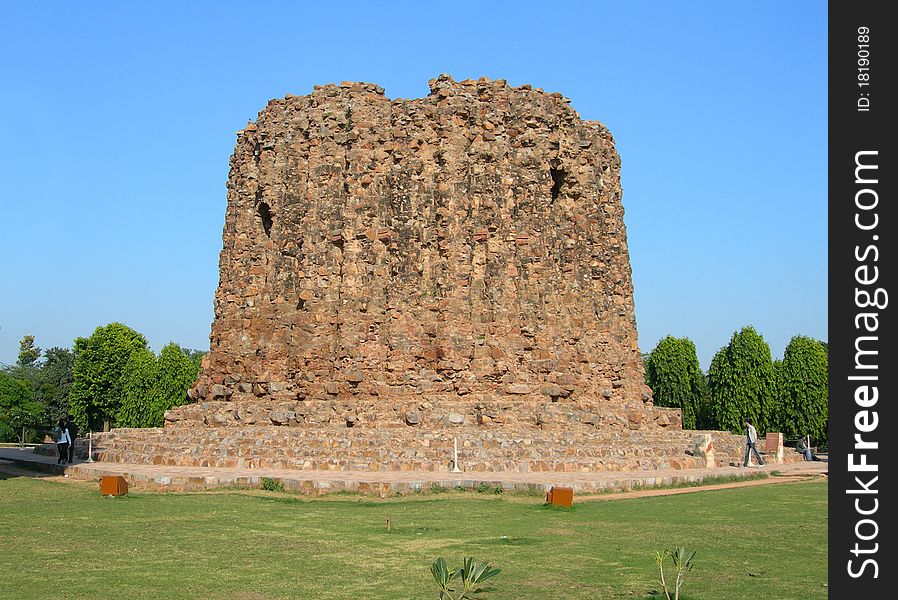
{"x": 558, "y": 175}
{"x": 264, "y": 211}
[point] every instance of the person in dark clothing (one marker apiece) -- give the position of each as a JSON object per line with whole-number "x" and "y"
{"x": 73, "y": 433}
{"x": 62, "y": 442}
{"x": 805, "y": 451}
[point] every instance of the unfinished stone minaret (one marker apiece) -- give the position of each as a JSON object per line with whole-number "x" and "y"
{"x": 408, "y": 262}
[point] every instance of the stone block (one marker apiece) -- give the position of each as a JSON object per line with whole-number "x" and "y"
{"x": 560, "y": 496}
{"x": 113, "y": 485}
{"x": 773, "y": 445}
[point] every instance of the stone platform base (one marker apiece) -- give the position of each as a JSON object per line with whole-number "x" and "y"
{"x": 576, "y": 448}
{"x": 405, "y": 449}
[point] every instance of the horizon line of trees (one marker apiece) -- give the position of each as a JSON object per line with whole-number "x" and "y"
{"x": 109, "y": 379}
{"x": 743, "y": 382}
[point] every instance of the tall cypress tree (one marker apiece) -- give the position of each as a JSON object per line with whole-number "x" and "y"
{"x": 139, "y": 383}
{"x": 673, "y": 372}
{"x": 151, "y": 385}
{"x": 804, "y": 389}
{"x": 741, "y": 382}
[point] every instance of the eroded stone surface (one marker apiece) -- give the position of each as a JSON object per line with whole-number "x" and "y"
{"x": 468, "y": 245}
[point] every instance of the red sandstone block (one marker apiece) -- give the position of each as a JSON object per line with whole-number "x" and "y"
{"x": 113, "y": 485}
{"x": 560, "y": 496}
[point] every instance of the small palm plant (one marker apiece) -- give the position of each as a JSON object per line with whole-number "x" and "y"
{"x": 443, "y": 576}
{"x": 682, "y": 563}
{"x": 472, "y": 575}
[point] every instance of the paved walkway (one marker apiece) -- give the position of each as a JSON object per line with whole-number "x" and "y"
{"x": 384, "y": 483}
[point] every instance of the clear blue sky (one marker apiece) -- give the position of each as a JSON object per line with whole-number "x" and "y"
{"x": 118, "y": 120}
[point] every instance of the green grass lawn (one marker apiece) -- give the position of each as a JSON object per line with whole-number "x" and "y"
{"x": 65, "y": 540}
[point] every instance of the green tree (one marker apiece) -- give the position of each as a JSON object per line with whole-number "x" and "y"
{"x": 151, "y": 386}
{"x": 29, "y": 354}
{"x": 18, "y": 408}
{"x": 177, "y": 372}
{"x": 27, "y": 366}
{"x": 96, "y": 392}
{"x": 139, "y": 380}
{"x": 54, "y": 382}
{"x": 675, "y": 376}
{"x": 775, "y": 415}
{"x": 741, "y": 382}
{"x": 803, "y": 388}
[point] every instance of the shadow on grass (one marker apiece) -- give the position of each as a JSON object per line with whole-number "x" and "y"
{"x": 10, "y": 470}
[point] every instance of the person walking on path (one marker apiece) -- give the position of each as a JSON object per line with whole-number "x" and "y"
{"x": 62, "y": 442}
{"x": 751, "y": 438}
{"x": 73, "y": 435}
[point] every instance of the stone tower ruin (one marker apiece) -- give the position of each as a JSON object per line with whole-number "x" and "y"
{"x": 397, "y": 275}
{"x": 466, "y": 246}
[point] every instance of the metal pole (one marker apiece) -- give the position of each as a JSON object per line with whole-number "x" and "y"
{"x": 90, "y": 446}
{"x": 455, "y": 468}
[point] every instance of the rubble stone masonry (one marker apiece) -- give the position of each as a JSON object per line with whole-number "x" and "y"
{"x": 452, "y": 260}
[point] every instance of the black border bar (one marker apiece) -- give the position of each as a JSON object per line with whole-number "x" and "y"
{"x": 862, "y": 369}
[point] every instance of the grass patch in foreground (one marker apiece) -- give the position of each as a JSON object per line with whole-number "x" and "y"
{"x": 238, "y": 545}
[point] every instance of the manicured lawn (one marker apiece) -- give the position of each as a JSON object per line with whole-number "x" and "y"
{"x": 65, "y": 540}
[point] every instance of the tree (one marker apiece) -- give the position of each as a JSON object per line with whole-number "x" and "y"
{"x": 151, "y": 386}
{"x": 741, "y": 382}
{"x": 18, "y": 410}
{"x": 29, "y": 354}
{"x": 775, "y": 415}
{"x": 138, "y": 390}
{"x": 27, "y": 366}
{"x": 675, "y": 376}
{"x": 803, "y": 387}
{"x": 177, "y": 372}
{"x": 54, "y": 382}
{"x": 97, "y": 370}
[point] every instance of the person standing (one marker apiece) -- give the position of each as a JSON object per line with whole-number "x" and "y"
{"x": 73, "y": 435}
{"x": 751, "y": 439}
{"x": 62, "y": 442}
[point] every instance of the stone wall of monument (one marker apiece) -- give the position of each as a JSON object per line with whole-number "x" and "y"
{"x": 468, "y": 247}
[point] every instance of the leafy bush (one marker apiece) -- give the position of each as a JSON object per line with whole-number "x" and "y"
{"x": 271, "y": 484}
